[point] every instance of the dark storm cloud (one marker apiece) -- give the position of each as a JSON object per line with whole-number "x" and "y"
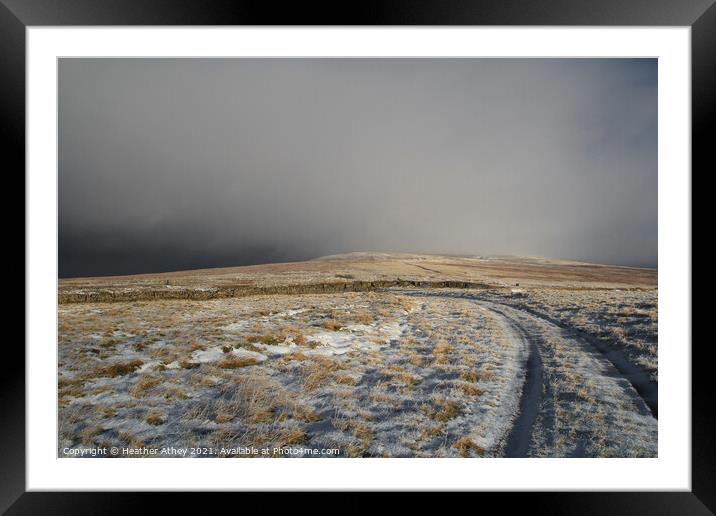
{"x": 173, "y": 164}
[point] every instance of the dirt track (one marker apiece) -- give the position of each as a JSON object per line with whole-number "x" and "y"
{"x": 615, "y": 384}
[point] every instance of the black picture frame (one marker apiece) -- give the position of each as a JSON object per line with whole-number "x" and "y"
{"x": 16, "y": 15}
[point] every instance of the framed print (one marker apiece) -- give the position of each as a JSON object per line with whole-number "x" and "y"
{"x": 273, "y": 252}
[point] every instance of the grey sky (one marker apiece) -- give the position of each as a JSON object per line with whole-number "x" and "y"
{"x": 174, "y": 164}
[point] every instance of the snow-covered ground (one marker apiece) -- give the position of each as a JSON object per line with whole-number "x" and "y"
{"x": 400, "y": 373}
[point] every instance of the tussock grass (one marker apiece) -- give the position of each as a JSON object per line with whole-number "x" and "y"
{"x": 256, "y": 398}
{"x": 400, "y": 376}
{"x": 291, "y": 437}
{"x": 470, "y": 389}
{"x": 88, "y": 434}
{"x": 175, "y": 393}
{"x": 445, "y": 410}
{"x": 120, "y": 369}
{"x": 469, "y": 376}
{"x": 71, "y": 387}
{"x": 408, "y": 341}
{"x": 431, "y": 432}
{"x": 416, "y": 360}
{"x": 130, "y": 439}
{"x": 346, "y": 380}
{"x": 223, "y": 417}
{"x": 105, "y": 412}
{"x": 236, "y": 362}
{"x": 155, "y": 418}
{"x": 360, "y": 430}
{"x": 442, "y": 351}
{"x": 332, "y": 325}
{"x": 270, "y": 339}
{"x": 466, "y": 446}
{"x": 319, "y": 372}
{"x": 142, "y": 386}
{"x": 109, "y": 343}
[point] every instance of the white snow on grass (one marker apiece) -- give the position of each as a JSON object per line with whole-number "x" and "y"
{"x": 217, "y": 353}
{"x": 333, "y": 342}
{"x": 358, "y": 336}
{"x": 503, "y": 391}
{"x": 359, "y": 328}
{"x": 245, "y": 353}
{"x": 148, "y": 366}
{"x": 393, "y": 330}
{"x": 289, "y": 313}
{"x": 237, "y": 326}
{"x": 288, "y": 346}
{"x": 207, "y": 355}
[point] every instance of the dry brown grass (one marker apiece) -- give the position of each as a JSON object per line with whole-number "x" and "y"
{"x": 332, "y": 325}
{"x": 119, "y": 369}
{"x": 223, "y": 417}
{"x": 291, "y": 437}
{"x": 359, "y": 429}
{"x": 430, "y": 432}
{"x": 102, "y": 388}
{"x": 585, "y": 394}
{"x": 105, "y": 412}
{"x": 346, "y": 380}
{"x": 365, "y": 318}
{"x": 263, "y": 415}
{"x": 416, "y": 360}
{"x": 319, "y": 371}
{"x": 442, "y": 351}
{"x": 236, "y": 362}
{"x": 300, "y": 412}
{"x": 142, "y": 386}
{"x": 71, "y": 387}
{"x": 465, "y": 446}
{"x": 175, "y": 393}
{"x": 109, "y": 343}
{"x": 363, "y": 432}
{"x": 380, "y": 395}
{"x": 88, "y": 434}
{"x": 475, "y": 375}
{"x": 270, "y": 339}
{"x": 470, "y": 389}
{"x": 131, "y": 439}
{"x": 256, "y": 398}
{"x": 445, "y": 410}
{"x": 469, "y": 376}
{"x": 400, "y": 376}
{"x": 155, "y": 418}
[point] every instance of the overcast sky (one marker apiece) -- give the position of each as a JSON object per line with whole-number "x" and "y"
{"x": 169, "y": 164}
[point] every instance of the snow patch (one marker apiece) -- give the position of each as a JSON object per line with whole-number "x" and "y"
{"x": 279, "y": 349}
{"x": 289, "y": 313}
{"x": 147, "y": 367}
{"x": 217, "y": 353}
{"x": 237, "y": 326}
